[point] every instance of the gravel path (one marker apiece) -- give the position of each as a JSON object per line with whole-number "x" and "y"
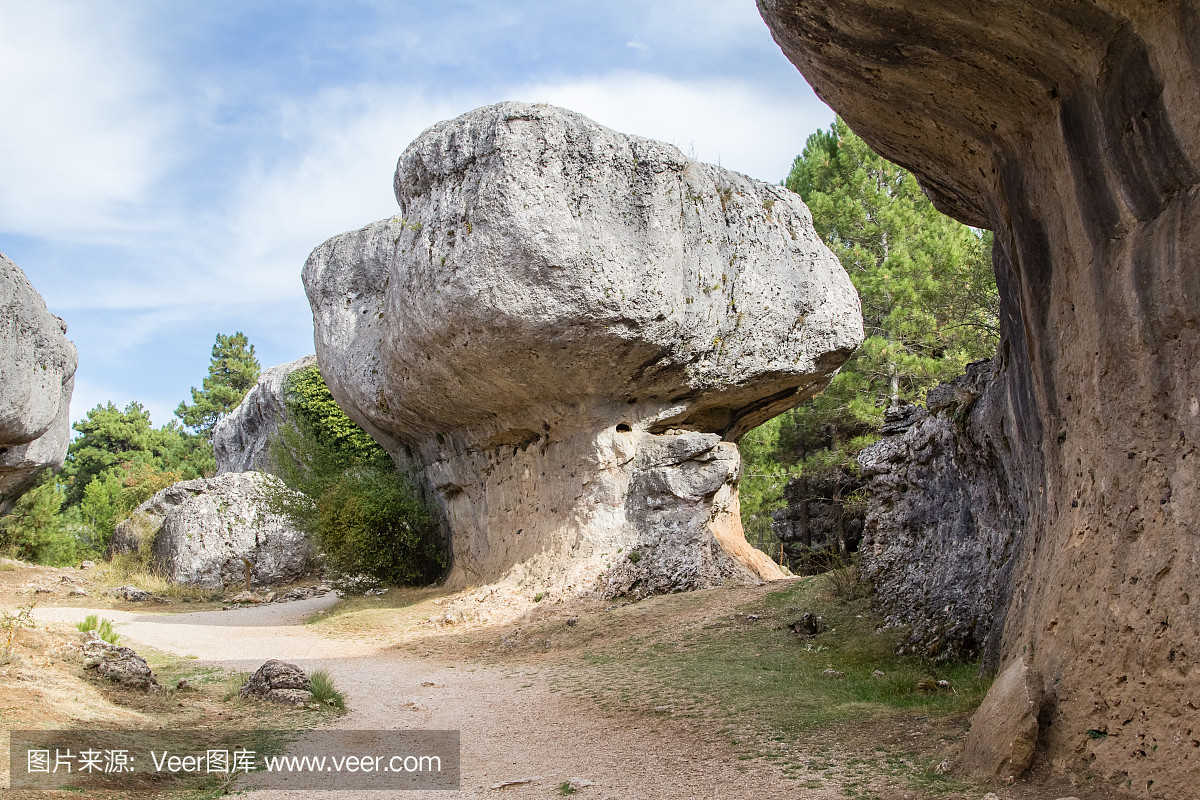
{"x": 512, "y": 726}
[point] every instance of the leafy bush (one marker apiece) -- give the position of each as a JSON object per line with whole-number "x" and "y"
{"x": 364, "y": 516}
{"x": 373, "y": 522}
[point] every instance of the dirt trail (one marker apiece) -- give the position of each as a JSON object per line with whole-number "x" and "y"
{"x": 512, "y": 726}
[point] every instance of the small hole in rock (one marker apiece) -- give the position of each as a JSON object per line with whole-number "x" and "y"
{"x": 624, "y": 427}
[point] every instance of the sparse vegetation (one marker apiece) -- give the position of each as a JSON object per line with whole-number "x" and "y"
{"x": 324, "y": 692}
{"x": 103, "y": 627}
{"x": 11, "y": 622}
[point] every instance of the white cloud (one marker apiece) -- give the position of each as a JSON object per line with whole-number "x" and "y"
{"x": 727, "y": 121}
{"x": 83, "y": 138}
{"x": 641, "y": 47}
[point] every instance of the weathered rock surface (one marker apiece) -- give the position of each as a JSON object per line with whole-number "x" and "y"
{"x": 940, "y": 527}
{"x": 120, "y": 664}
{"x": 204, "y": 530}
{"x": 555, "y": 298}
{"x": 241, "y": 440}
{"x": 278, "y": 682}
{"x": 1004, "y": 729}
{"x": 1072, "y": 130}
{"x": 37, "y": 376}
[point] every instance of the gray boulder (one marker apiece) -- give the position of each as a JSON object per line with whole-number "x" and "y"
{"x": 37, "y": 376}
{"x": 554, "y": 298}
{"x": 278, "y": 682}
{"x": 201, "y": 532}
{"x": 241, "y": 439}
{"x": 120, "y": 664}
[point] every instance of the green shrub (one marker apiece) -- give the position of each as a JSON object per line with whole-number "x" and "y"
{"x": 103, "y": 627}
{"x": 374, "y": 523}
{"x": 365, "y": 517}
{"x": 323, "y": 691}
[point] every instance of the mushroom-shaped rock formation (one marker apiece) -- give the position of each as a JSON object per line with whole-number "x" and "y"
{"x": 242, "y": 438}
{"x": 37, "y": 376}
{"x": 1072, "y": 130}
{"x": 568, "y": 329}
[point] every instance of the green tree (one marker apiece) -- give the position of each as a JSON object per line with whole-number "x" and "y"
{"x": 36, "y": 530}
{"x": 929, "y": 305}
{"x": 111, "y": 439}
{"x": 109, "y": 436}
{"x": 929, "y": 299}
{"x": 232, "y": 371}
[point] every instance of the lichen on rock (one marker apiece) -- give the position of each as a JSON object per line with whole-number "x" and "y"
{"x": 555, "y": 302}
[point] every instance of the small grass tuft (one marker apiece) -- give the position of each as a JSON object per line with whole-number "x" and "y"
{"x": 324, "y": 692}
{"x": 104, "y": 627}
{"x": 566, "y": 788}
{"x": 234, "y": 685}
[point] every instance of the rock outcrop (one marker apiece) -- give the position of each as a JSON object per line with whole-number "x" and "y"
{"x": 242, "y": 438}
{"x": 558, "y": 312}
{"x": 203, "y": 532}
{"x": 37, "y": 376}
{"x": 119, "y": 664}
{"x": 940, "y": 526}
{"x": 1071, "y": 131}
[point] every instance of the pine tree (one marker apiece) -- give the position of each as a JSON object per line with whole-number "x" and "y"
{"x": 929, "y": 306}
{"x": 231, "y": 373}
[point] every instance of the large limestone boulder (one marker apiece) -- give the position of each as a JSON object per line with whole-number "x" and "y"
{"x": 37, "y": 376}
{"x": 1072, "y": 130}
{"x": 567, "y": 328}
{"x": 202, "y": 532}
{"x": 242, "y": 438}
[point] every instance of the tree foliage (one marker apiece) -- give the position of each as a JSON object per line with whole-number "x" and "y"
{"x": 345, "y": 491}
{"x": 37, "y": 530}
{"x": 110, "y": 437}
{"x": 232, "y": 372}
{"x": 929, "y": 306}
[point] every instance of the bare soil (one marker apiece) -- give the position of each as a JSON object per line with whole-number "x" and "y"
{"x": 542, "y": 695}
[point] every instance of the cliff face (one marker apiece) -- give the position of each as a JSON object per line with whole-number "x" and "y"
{"x": 242, "y": 439}
{"x": 567, "y": 328}
{"x": 37, "y": 376}
{"x": 941, "y": 526}
{"x": 1072, "y": 130}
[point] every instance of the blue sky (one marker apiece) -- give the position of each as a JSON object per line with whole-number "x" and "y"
{"x": 165, "y": 168}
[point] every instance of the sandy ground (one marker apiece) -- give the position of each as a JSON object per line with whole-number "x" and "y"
{"x": 512, "y": 726}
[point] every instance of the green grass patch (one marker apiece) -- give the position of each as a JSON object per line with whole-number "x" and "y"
{"x": 324, "y": 692}
{"x": 759, "y": 669}
{"x": 103, "y": 627}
